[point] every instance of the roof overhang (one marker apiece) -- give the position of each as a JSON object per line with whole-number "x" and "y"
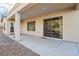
{"x": 43, "y": 8}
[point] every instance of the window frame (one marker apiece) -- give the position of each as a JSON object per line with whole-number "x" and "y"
{"x": 30, "y": 25}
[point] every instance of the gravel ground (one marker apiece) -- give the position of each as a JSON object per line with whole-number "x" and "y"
{"x": 9, "y": 47}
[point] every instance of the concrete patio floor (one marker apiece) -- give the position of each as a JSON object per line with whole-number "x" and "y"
{"x": 50, "y": 47}
{"x": 9, "y": 47}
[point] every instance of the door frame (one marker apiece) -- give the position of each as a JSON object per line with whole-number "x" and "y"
{"x": 61, "y": 30}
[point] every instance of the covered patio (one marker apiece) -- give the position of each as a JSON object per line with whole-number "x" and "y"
{"x": 49, "y": 47}
{"x": 34, "y": 38}
{"x": 17, "y": 22}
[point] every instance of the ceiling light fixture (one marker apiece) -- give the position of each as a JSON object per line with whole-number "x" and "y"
{"x": 44, "y": 8}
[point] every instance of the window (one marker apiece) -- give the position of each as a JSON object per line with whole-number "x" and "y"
{"x": 31, "y": 26}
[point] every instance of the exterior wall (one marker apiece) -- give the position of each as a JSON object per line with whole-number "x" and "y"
{"x": 70, "y": 24}
{"x": 39, "y": 22}
{"x": 7, "y": 26}
{"x": 21, "y": 27}
{"x": 38, "y": 27}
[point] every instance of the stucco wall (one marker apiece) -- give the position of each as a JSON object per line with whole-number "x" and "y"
{"x": 71, "y": 26}
{"x": 7, "y": 26}
{"x": 39, "y": 22}
{"x": 38, "y": 25}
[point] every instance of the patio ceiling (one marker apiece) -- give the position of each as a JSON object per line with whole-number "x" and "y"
{"x": 42, "y": 8}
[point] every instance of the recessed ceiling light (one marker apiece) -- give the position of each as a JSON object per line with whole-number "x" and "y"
{"x": 44, "y": 8}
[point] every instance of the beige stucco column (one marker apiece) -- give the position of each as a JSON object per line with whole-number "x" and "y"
{"x": 17, "y": 26}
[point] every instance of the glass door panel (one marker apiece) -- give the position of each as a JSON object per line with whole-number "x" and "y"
{"x": 47, "y": 27}
{"x": 53, "y": 27}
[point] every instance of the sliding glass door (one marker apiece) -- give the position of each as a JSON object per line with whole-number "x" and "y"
{"x": 47, "y": 27}
{"x": 53, "y": 27}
